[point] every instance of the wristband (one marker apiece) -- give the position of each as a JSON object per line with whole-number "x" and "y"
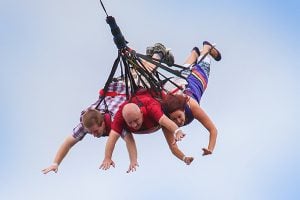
{"x": 55, "y": 164}
{"x": 183, "y": 158}
{"x": 176, "y": 131}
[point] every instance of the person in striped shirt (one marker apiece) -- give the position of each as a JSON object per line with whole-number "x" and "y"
{"x": 183, "y": 107}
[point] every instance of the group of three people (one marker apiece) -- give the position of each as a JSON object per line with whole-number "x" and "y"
{"x": 145, "y": 114}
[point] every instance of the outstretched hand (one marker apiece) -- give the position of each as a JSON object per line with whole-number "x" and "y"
{"x": 106, "y": 164}
{"x": 206, "y": 152}
{"x": 178, "y": 136}
{"x": 132, "y": 167}
{"x": 188, "y": 160}
{"x": 53, "y": 167}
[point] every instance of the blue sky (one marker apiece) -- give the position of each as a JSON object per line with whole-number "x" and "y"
{"x": 55, "y": 55}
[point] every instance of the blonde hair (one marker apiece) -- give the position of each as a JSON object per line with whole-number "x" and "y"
{"x": 92, "y": 117}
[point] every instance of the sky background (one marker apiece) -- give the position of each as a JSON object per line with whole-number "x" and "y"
{"x": 55, "y": 55}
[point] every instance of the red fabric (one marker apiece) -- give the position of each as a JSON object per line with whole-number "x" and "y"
{"x": 110, "y": 94}
{"x": 150, "y": 108}
{"x": 107, "y": 121}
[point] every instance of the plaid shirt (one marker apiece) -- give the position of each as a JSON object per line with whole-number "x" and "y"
{"x": 115, "y": 96}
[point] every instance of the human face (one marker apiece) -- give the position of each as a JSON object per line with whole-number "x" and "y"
{"x": 134, "y": 121}
{"x": 178, "y": 117}
{"x": 96, "y": 130}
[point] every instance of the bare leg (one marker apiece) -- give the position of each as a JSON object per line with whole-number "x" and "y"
{"x": 149, "y": 66}
{"x": 206, "y": 50}
{"x": 192, "y": 58}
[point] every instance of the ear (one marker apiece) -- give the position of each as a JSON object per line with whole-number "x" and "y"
{"x": 143, "y": 110}
{"x": 103, "y": 123}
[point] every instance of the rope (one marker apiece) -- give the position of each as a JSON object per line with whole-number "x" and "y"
{"x": 130, "y": 61}
{"x": 103, "y": 8}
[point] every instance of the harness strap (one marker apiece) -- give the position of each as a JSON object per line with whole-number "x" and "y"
{"x": 109, "y": 80}
{"x": 158, "y": 64}
{"x": 110, "y": 94}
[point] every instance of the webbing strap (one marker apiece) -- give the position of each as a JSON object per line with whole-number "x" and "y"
{"x": 175, "y": 72}
{"x": 109, "y": 80}
{"x": 150, "y": 76}
{"x": 158, "y": 64}
{"x": 173, "y": 65}
{"x": 128, "y": 78}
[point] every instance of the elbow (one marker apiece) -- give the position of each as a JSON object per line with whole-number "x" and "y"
{"x": 214, "y": 133}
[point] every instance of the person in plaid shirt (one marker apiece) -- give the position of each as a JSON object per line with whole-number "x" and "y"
{"x": 94, "y": 120}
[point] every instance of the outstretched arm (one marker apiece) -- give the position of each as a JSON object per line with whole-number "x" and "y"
{"x": 174, "y": 148}
{"x": 204, "y": 119}
{"x": 69, "y": 142}
{"x": 132, "y": 151}
{"x": 109, "y": 148}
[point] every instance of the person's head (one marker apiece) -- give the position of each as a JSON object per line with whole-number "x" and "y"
{"x": 133, "y": 116}
{"x": 173, "y": 106}
{"x": 93, "y": 120}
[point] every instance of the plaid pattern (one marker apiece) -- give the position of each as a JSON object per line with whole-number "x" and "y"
{"x": 117, "y": 95}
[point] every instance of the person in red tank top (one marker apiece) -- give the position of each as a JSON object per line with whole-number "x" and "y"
{"x": 142, "y": 115}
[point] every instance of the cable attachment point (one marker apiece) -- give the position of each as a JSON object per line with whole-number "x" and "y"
{"x": 116, "y": 32}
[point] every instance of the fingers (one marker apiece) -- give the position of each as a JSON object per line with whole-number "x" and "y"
{"x": 181, "y": 136}
{"x": 112, "y": 164}
{"x": 206, "y": 152}
{"x": 51, "y": 168}
{"x": 106, "y": 165}
{"x": 45, "y": 171}
{"x": 178, "y": 137}
{"x": 132, "y": 167}
{"x": 189, "y": 160}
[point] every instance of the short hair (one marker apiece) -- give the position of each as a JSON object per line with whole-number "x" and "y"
{"x": 92, "y": 117}
{"x": 173, "y": 102}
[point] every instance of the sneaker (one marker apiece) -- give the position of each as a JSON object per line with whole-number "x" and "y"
{"x": 149, "y": 51}
{"x": 169, "y": 58}
{"x": 213, "y": 51}
{"x": 160, "y": 48}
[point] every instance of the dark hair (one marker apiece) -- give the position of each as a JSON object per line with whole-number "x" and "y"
{"x": 173, "y": 102}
